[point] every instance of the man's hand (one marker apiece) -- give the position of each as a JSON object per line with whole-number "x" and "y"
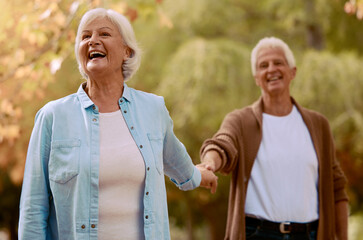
{"x": 209, "y": 180}
{"x": 211, "y": 161}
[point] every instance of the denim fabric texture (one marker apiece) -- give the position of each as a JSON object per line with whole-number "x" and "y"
{"x": 59, "y": 197}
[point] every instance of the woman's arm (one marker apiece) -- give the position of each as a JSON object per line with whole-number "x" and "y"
{"x": 34, "y": 201}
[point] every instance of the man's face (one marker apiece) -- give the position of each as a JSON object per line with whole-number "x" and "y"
{"x": 273, "y": 74}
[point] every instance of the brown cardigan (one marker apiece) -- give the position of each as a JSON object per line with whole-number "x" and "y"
{"x": 238, "y": 141}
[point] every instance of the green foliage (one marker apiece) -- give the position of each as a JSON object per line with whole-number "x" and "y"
{"x": 212, "y": 78}
{"x": 197, "y": 55}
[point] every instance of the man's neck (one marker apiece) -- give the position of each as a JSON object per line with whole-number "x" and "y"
{"x": 277, "y": 106}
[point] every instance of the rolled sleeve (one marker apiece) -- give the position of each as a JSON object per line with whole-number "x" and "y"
{"x": 191, "y": 183}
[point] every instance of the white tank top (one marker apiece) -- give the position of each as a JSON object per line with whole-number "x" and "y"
{"x": 121, "y": 181}
{"x": 284, "y": 177}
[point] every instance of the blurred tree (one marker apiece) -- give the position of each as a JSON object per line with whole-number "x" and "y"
{"x": 211, "y": 81}
{"x": 196, "y": 54}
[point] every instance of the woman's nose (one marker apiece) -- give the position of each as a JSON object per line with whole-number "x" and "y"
{"x": 94, "y": 40}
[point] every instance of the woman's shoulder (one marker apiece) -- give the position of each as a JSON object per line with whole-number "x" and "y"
{"x": 140, "y": 95}
{"x": 58, "y": 104}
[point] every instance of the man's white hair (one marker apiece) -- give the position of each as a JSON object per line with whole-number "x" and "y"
{"x": 271, "y": 42}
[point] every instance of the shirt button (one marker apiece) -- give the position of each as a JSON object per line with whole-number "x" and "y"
{"x": 83, "y": 226}
{"x": 147, "y": 217}
{"x": 132, "y": 128}
{"x": 148, "y": 168}
{"x": 147, "y": 193}
{"x": 125, "y": 111}
{"x": 93, "y": 226}
{"x": 122, "y": 100}
{"x": 93, "y": 107}
{"x": 95, "y": 120}
{"x": 140, "y": 146}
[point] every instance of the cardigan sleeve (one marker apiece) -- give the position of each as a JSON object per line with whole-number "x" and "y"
{"x": 225, "y": 142}
{"x": 339, "y": 179}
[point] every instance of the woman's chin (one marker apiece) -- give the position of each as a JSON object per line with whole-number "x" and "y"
{"x": 93, "y": 67}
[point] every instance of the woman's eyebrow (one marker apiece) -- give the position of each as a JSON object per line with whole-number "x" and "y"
{"x": 86, "y": 30}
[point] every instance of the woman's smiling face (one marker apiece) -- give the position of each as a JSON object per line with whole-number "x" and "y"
{"x": 102, "y": 49}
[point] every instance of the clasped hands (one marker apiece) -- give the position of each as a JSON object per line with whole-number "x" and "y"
{"x": 209, "y": 179}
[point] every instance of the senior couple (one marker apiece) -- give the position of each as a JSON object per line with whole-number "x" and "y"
{"x": 97, "y": 158}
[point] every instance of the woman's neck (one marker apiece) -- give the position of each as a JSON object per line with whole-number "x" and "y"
{"x": 105, "y": 94}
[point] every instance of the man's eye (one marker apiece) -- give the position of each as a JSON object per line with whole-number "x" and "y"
{"x": 263, "y": 66}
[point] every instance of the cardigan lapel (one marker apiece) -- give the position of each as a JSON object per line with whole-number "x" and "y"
{"x": 310, "y": 125}
{"x": 257, "y": 108}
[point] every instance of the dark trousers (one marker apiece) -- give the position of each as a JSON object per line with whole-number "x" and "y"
{"x": 256, "y": 233}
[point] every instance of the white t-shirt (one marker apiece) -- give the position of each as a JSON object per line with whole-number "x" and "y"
{"x": 121, "y": 181}
{"x": 284, "y": 178}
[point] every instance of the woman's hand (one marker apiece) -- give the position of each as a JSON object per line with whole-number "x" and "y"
{"x": 209, "y": 179}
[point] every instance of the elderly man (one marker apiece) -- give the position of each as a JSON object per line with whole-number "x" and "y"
{"x": 286, "y": 182}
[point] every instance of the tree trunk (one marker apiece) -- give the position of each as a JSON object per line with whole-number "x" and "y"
{"x": 314, "y": 32}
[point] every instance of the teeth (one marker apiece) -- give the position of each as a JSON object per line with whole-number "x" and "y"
{"x": 273, "y": 78}
{"x": 92, "y": 54}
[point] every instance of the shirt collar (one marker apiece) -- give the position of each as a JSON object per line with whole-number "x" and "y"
{"x": 86, "y": 102}
{"x": 127, "y": 93}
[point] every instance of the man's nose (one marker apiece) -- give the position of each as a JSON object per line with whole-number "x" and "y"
{"x": 271, "y": 67}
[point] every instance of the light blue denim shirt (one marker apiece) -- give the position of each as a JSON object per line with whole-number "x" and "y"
{"x": 59, "y": 197}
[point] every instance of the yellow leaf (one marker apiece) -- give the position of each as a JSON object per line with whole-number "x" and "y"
{"x": 16, "y": 173}
{"x": 6, "y": 107}
{"x": 164, "y": 19}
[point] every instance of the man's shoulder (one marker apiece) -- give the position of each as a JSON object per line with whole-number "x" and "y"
{"x": 246, "y": 111}
{"x": 313, "y": 114}
{"x": 245, "y": 117}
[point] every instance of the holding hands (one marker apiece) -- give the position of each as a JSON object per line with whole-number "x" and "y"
{"x": 211, "y": 162}
{"x": 209, "y": 179}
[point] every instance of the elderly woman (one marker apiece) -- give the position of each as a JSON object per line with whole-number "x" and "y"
{"x": 97, "y": 158}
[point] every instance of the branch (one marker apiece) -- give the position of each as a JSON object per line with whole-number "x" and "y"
{"x": 52, "y": 44}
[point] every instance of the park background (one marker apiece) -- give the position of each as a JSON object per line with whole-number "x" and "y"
{"x": 196, "y": 53}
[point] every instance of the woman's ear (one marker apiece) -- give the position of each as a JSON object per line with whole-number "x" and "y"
{"x": 127, "y": 53}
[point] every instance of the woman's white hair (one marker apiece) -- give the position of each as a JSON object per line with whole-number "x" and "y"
{"x": 129, "y": 66}
{"x": 271, "y": 42}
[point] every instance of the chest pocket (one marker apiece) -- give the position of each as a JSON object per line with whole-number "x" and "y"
{"x": 64, "y": 160}
{"x": 156, "y": 142}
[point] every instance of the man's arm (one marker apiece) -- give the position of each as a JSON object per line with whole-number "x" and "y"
{"x": 341, "y": 220}
{"x": 211, "y": 161}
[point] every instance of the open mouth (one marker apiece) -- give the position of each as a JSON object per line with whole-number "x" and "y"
{"x": 272, "y": 79}
{"x": 96, "y": 54}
